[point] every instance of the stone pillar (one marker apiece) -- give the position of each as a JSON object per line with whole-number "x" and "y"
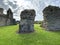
{"x": 26, "y": 24}
{"x": 10, "y": 15}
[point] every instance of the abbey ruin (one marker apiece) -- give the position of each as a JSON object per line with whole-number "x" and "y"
{"x": 6, "y": 19}
{"x": 27, "y": 21}
{"x": 51, "y": 21}
{"x": 51, "y": 18}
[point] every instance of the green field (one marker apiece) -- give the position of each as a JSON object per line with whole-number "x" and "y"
{"x": 9, "y": 36}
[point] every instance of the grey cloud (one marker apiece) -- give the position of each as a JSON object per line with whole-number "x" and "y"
{"x": 12, "y": 5}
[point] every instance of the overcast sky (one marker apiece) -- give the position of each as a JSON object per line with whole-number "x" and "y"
{"x": 18, "y": 5}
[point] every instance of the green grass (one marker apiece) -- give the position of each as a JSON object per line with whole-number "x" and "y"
{"x": 9, "y": 36}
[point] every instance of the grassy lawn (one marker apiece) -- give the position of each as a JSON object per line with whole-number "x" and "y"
{"x": 9, "y": 36}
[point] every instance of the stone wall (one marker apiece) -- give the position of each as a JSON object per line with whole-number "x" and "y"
{"x": 6, "y": 19}
{"x": 3, "y": 21}
{"x": 52, "y": 18}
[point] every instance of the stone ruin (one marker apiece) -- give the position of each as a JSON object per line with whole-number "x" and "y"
{"x": 6, "y": 19}
{"x": 27, "y": 21}
{"x": 10, "y": 16}
{"x": 51, "y": 18}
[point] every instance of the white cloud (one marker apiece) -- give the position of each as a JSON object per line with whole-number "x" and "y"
{"x": 5, "y": 2}
{"x": 20, "y": 5}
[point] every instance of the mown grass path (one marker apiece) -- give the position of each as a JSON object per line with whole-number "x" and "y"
{"x": 9, "y": 36}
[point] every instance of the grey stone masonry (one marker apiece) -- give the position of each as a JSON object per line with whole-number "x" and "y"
{"x": 6, "y": 19}
{"x": 27, "y": 21}
{"x": 52, "y": 18}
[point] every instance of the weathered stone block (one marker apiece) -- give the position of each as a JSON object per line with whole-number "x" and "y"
{"x": 52, "y": 18}
{"x": 27, "y": 21}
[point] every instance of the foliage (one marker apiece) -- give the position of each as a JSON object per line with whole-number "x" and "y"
{"x": 38, "y": 22}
